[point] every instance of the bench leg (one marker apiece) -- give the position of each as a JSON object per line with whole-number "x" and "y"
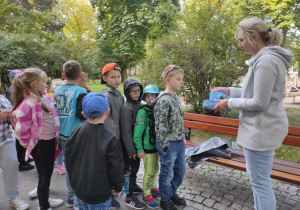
{"x": 188, "y": 134}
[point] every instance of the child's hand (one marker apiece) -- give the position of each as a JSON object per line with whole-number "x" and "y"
{"x": 117, "y": 194}
{"x": 141, "y": 155}
{"x": 133, "y": 156}
{"x": 5, "y": 114}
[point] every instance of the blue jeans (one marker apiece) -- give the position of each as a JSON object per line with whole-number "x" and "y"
{"x": 60, "y": 159}
{"x": 259, "y": 166}
{"x": 101, "y": 206}
{"x": 70, "y": 192}
{"x": 172, "y": 168}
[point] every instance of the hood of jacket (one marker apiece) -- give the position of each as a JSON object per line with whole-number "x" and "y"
{"x": 163, "y": 93}
{"x": 131, "y": 82}
{"x": 280, "y": 53}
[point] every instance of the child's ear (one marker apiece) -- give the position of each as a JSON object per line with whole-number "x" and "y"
{"x": 63, "y": 76}
{"x": 81, "y": 75}
{"x": 104, "y": 77}
{"x": 167, "y": 80}
{"x": 33, "y": 84}
{"x": 84, "y": 115}
{"x": 106, "y": 112}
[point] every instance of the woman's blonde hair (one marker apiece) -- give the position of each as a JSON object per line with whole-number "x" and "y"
{"x": 269, "y": 35}
{"x": 23, "y": 84}
{"x": 170, "y": 70}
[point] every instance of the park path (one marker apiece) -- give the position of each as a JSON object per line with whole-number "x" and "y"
{"x": 208, "y": 186}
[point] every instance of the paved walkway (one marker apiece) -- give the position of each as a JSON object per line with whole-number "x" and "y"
{"x": 208, "y": 186}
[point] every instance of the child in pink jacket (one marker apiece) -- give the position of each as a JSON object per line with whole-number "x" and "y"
{"x": 37, "y": 128}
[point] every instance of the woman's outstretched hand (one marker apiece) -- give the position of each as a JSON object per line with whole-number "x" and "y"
{"x": 221, "y": 89}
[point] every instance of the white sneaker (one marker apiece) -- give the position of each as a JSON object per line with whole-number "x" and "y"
{"x": 18, "y": 204}
{"x": 38, "y": 206}
{"x": 33, "y": 193}
{"x": 55, "y": 202}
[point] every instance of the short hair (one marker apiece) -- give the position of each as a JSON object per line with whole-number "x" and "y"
{"x": 269, "y": 35}
{"x": 170, "y": 70}
{"x": 72, "y": 70}
{"x": 85, "y": 74}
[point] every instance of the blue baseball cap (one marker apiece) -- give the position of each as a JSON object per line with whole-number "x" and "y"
{"x": 13, "y": 73}
{"x": 94, "y": 104}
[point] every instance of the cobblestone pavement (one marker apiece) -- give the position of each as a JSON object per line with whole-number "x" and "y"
{"x": 208, "y": 186}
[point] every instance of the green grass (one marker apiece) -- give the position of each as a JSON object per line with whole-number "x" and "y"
{"x": 285, "y": 152}
{"x": 96, "y": 86}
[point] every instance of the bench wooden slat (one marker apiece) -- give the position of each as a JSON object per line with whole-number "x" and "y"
{"x": 276, "y": 166}
{"x": 283, "y": 166}
{"x": 211, "y": 127}
{"x": 211, "y": 119}
{"x": 295, "y": 131}
{"x": 292, "y": 140}
{"x": 242, "y": 166}
{"x": 276, "y": 161}
{"x": 289, "y": 140}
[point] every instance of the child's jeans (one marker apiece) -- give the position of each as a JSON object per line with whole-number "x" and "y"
{"x": 10, "y": 166}
{"x": 103, "y": 206}
{"x": 172, "y": 168}
{"x": 60, "y": 159}
{"x": 151, "y": 168}
{"x": 43, "y": 156}
{"x": 70, "y": 192}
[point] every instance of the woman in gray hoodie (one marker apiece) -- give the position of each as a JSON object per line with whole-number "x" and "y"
{"x": 263, "y": 121}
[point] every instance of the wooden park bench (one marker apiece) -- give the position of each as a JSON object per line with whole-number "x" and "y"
{"x": 282, "y": 170}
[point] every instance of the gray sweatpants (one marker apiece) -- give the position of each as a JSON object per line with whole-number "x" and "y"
{"x": 10, "y": 167}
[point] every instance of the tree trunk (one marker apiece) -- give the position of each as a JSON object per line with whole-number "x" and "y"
{"x": 123, "y": 74}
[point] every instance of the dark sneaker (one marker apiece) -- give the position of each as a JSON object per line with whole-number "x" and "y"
{"x": 29, "y": 160}
{"x": 114, "y": 203}
{"x": 137, "y": 189}
{"x": 134, "y": 202}
{"x": 178, "y": 200}
{"x": 25, "y": 167}
{"x": 155, "y": 192}
{"x": 167, "y": 205}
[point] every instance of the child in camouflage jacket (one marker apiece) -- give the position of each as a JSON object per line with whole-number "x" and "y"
{"x": 169, "y": 138}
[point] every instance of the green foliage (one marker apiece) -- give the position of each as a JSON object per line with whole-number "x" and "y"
{"x": 203, "y": 47}
{"x": 17, "y": 51}
{"x": 16, "y": 19}
{"x": 125, "y": 26}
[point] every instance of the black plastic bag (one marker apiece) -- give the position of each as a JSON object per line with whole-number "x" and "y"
{"x": 213, "y": 148}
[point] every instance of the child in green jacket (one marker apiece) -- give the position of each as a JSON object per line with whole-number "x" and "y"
{"x": 144, "y": 140}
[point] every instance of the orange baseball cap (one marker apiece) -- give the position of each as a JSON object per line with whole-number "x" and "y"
{"x": 109, "y": 67}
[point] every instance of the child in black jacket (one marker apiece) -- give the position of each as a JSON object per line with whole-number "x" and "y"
{"x": 94, "y": 157}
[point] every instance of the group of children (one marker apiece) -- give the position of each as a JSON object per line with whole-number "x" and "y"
{"x": 103, "y": 136}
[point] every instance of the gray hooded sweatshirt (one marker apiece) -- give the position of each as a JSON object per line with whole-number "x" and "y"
{"x": 116, "y": 101}
{"x": 263, "y": 121}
